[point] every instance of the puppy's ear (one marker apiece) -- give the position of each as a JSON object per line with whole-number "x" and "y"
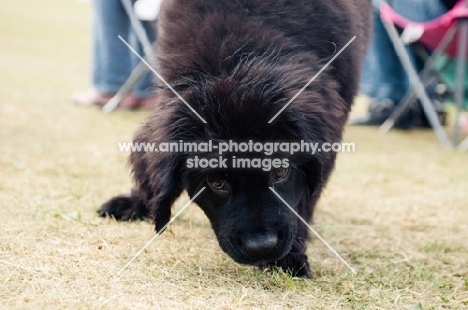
{"x": 313, "y": 170}
{"x": 158, "y": 177}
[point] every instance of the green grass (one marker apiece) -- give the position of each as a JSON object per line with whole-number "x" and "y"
{"x": 396, "y": 209}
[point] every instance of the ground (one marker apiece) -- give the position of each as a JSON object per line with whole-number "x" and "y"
{"x": 396, "y": 209}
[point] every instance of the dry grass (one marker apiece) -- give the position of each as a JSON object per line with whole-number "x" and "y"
{"x": 396, "y": 209}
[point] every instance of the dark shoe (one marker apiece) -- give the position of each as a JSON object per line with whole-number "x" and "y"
{"x": 419, "y": 118}
{"x": 130, "y": 102}
{"x": 379, "y": 111}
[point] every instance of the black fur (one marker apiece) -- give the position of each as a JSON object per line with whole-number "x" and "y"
{"x": 237, "y": 63}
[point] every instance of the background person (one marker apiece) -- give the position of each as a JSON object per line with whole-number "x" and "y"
{"x": 384, "y": 80}
{"x": 113, "y": 61}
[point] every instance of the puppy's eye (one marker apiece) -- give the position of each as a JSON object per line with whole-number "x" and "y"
{"x": 219, "y": 185}
{"x": 280, "y": 174}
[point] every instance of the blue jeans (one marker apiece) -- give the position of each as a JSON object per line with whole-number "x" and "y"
{"x": 383, "y": 75}
{"x": 113, "y": 61}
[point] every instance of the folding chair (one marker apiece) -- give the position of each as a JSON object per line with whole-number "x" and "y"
{"x": 439, "y": 36}
{"x": 141, "y": 69}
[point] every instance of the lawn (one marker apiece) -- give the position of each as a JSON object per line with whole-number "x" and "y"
{"x": 396, "y": 209}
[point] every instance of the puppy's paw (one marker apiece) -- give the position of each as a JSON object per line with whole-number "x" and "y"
{"x": 124, "y": 208}
{"x": 294, "y": 264}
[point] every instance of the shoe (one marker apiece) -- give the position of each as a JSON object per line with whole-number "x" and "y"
{"x": 419, "y": 119}
{"x": 90, "y": 97}
{"x": 379, "y": 111}
{"x": 129, "y": 102}
{"x": 148, "y": 103}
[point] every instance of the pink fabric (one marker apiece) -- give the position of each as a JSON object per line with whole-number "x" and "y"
{"x": 434, "y": 30}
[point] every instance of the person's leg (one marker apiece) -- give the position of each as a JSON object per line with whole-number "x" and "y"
{"x": 111, "y": 58}
{"x": 384, "y": 79}
{"x": 96, "y": 51}
{"x": 112, "y": 62}
{"x": 419, "y": 10}
{"x": 383, "y": 76}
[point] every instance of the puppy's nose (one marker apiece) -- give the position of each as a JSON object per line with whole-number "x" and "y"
{"x": 260, "y": 244}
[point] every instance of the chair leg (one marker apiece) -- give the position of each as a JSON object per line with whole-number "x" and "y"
{"x": 463, "y": 146}
{"x": 140, "y": 32}
{"x": 401, "y": 108}
{"x": 461, "y": 73}
{"x": 410, "y": 96}
{"x": 134, "y": 77}
{"x": 418, "y": 86}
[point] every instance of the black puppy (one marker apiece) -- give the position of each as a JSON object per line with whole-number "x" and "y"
{"x": 237, "y": 63}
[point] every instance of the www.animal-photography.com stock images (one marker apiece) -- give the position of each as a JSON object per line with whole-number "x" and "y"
{"x": 234, "y": 154}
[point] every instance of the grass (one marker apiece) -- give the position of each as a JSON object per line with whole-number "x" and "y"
{"x": 396, "y": 208}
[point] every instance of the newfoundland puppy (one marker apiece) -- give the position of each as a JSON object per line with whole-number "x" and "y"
{"x": 233, "y": 66}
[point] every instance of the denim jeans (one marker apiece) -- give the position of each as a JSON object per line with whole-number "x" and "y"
{"x": 112, "y": 59}
{"x": 383, "y": 75}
